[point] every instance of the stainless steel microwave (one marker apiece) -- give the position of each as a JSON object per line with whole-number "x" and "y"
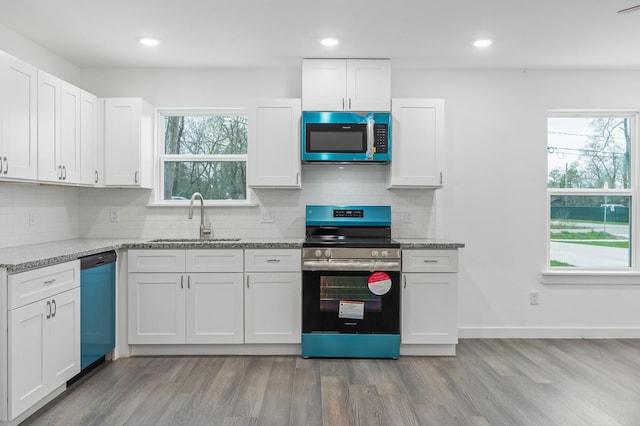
{"x": 346, "y": 137}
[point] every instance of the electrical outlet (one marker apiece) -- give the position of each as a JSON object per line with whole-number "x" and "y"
{"x": 114, "y": 215}
{"x": 267, "y": 216}
{"x": 32, "y": 217}
{"x": 534, "y": 297}
{"x": 408, "y": 217}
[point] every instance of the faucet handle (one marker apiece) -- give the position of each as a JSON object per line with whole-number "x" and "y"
{"x": 205, "y": 233}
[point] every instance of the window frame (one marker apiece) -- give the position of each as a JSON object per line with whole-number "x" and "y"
{"x": 157, "y": 198}
{"x": 597, "y": 275}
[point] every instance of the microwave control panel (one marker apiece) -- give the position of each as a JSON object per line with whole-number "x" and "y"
{"x": 381, "y": 138}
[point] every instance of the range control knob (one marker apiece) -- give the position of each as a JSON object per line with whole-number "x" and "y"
{"x": 385, "y": 253}
{"x": 374, "y": 253}
{"x": 318, "y": 253}
{"x": 327, "y": 252}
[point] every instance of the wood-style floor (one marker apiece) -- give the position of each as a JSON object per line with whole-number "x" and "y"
{"x": 489, "y": 382}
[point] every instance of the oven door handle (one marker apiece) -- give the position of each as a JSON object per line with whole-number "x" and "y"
{"x": 338, "y": 265}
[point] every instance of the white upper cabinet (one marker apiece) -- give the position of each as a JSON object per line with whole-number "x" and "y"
{"x": 18, "y": 119}
{"x": 417, "y": 143}
{"x": 128, "y": 144}
{"x": 90, "y": 171}
{"x": 58, "y": 130}
{"x": 346, "y": 84}
{"x": 274, "y": 143}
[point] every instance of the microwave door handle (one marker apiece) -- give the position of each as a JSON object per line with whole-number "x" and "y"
{"x": 370, "y": 124}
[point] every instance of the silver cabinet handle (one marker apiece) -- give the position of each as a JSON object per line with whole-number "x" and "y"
{"x": 64, "y": 169}
{"x": 96, "y": 172}
{"x": 247, "y": 281}
{"x": 342, "y": 103}
{"x": 297, "y": 178}
{"x": 182, "y": 281}
{"x": 59, "y": 172}
{"x": 0, "y": 165}
{"x": 6, "y": 165}
{"x": 273, "y": 260}
{"x": 55, "y": 309}
{"x": 440, "y": 178}
{"x": 48, "y": 309}
{"x": 189, "y": 281}
{"x": 430, "y": 261}
{"x": 349, "y": 103}
{"x": 404, "y": 280}
{"x": 135, "y": 177}
{"x": 51, "y": 281}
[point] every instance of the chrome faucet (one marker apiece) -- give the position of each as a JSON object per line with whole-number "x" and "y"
{"x": 205, "y": 233}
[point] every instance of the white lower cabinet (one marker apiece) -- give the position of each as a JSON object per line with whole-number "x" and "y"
{"x": 429, "y": 297}
{"x": 198, "y": 297}
{"x": 181, "y": 304}
{"x": 43, "y": 334}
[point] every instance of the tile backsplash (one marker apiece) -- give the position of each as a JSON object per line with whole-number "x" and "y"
{"x": 66, "y": 213}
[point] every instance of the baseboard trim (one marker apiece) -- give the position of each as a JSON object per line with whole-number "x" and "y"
{"x": 549, "y": 333}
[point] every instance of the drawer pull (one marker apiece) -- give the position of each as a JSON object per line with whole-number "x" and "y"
{"x": 430, "y": 261}
{"x": 273, "y": 260}
{"x": 51, "y": 281}
{"x": 55, "y": 309}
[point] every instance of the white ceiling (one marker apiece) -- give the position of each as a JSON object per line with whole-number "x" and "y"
{"x": 274, "y": 33}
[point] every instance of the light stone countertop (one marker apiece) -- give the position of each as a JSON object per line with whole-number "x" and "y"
{"x": 22, "y": 258}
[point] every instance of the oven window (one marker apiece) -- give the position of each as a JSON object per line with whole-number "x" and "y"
{"x": 341, "y": 288}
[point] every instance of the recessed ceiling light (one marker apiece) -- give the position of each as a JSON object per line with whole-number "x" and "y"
{"x": 329, "y": 42}
{"x": 482, "y": 43}
{"x": 149, "y": 41}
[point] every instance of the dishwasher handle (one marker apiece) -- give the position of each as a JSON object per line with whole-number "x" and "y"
{"x": 97, "y": 259}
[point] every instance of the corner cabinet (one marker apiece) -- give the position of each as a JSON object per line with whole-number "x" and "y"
{"x": 128, "y": 143}
{"x": 274, "y": 143}
{"x": 346, "y": 84}
{"x": 18, "y": 119}
{"x": 90, "y": 169}
{"x": 43, "y": 333}
{"x": 185, "y": 296}
{"x": 417, "y": 143}
{"x": 273, "y": 296}
{"x": 429, "y": 302}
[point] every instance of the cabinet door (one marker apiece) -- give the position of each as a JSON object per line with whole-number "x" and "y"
{"x": 273, "y": 308}
{"x": 368, "y": 85}
{"x": 89, "y": 170}
{"x": 18, "y": 119}
{"x": 214, "y": 308}
{"x": 417, "y": 143}
{"x": 49, "y": 168}
{"x": 122, "y": 142}
{"x": 430, "y": 308}
{"x": 156, "y": 308}
{"x": 324, "y": 85}
{"x": 274, "y": 143}
{"x": 64, "y": 337}
{"x": 28, "y": 355}
{"x": 69, "y": 150}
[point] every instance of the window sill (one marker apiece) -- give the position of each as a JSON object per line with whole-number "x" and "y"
{"x": 590, "y": 277}
{"x": 208, "y": 203}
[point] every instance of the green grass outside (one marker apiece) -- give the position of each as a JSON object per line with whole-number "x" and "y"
{"x": 558, "y": 263}
{"x": 591, "y": 235}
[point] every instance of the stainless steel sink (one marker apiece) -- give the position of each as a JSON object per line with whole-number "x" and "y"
{"x": 193, "y": 240}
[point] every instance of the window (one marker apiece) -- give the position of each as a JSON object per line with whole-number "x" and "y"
{"x": 591, "y": 190}
{"x": 203, "y": 151}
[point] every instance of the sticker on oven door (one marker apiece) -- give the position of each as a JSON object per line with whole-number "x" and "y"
{"x": 379, "y": 283}
{"x": 351, "y": 309}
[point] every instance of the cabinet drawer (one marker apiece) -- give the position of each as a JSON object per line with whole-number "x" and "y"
{"x": 214, "y": 261}
{"x": 156, "y": 260}
{"x": 272, "y": 260}
{"x": 30, "y": 286}
{"x": 430, "y": 261}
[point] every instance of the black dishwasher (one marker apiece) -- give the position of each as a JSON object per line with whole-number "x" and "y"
{"x": 97, "y": 307}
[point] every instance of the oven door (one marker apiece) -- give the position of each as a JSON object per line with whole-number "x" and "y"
{"x": 351, "y": 302}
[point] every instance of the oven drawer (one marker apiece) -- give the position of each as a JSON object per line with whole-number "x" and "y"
{"x": 267, "y": 260}
{"x": 430, "y": 261}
